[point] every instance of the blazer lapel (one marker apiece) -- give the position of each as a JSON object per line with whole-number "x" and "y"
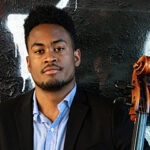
{"x": 24, "y": 122}
{"x": 77, "y": 115}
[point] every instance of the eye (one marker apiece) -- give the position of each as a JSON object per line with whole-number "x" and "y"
{"x": 39, "y": 51}
{"x": 59, "y": 49}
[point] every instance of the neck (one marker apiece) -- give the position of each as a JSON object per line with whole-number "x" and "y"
{"x": 48, "y": 100}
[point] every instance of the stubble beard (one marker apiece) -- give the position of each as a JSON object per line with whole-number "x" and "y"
{"x": 55, "y": 85}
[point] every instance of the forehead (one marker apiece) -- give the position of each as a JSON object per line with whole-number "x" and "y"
{"x": 46, "y": 32}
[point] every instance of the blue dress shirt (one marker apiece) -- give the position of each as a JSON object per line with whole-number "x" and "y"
{"x": 51, "y": 135}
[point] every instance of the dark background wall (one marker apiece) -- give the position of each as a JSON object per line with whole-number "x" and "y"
{"x": 111, "y": 34}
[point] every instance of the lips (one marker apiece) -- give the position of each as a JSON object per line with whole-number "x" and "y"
{"x": 51, "y": 69}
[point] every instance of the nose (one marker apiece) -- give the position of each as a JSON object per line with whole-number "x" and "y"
{"x": 50, "y": 57}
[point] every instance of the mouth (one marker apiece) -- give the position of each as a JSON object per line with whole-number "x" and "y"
{"x": 51, "y": 69}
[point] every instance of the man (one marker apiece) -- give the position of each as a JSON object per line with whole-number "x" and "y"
{"x": 57, "y": 114}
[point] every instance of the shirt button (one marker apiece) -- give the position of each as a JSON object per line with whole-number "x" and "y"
{"x": 52, "y": 129}
{"x": 34, "y": 119}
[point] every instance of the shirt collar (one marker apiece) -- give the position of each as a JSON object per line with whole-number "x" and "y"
{"x": 68, "y": 99}
{"x": 70, "y": 96}
{"x": 35, "y": 107}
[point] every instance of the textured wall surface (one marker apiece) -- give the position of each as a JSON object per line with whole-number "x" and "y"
{"x": 112, "y": 34}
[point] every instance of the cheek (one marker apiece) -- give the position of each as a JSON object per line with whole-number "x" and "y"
{"x": 70, "y": 66}
{"x": 34, "y": 68}
{"x": 69, "y": 61}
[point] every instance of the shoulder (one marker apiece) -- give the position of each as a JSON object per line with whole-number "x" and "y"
{"x": 93, "y": 96}
{"x": 117, "y": 112}
{"x": 96, "y": 103}
{"x": 11, "y": 104}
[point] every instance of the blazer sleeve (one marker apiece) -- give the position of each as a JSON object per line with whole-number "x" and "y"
{"x": 122, "y": 127}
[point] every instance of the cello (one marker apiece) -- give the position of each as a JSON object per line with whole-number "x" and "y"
{"x": 140, "y": 102}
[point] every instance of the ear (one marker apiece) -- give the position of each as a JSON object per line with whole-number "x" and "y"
{"x": 28, "y": 63}
{"x": 77, "y": 57}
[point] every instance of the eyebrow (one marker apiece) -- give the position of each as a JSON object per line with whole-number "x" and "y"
{"x": 37, "y": 44}
{"x": 57, "y": 41}
{"x": 52, "y": 43}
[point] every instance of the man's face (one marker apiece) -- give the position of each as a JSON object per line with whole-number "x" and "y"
{"x": 51, "y": 59}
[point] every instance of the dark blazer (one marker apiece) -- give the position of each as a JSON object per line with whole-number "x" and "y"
{"x": 94, "y": 124}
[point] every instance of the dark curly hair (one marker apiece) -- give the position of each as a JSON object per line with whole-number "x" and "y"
{"x": 50, "y": 15}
